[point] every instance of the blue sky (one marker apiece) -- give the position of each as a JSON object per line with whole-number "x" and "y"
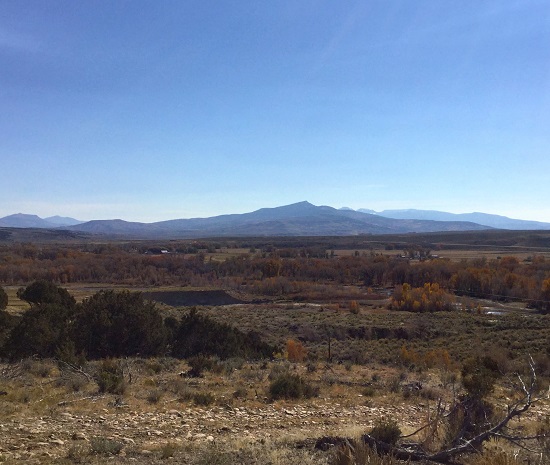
{"x": 154, "y": 110}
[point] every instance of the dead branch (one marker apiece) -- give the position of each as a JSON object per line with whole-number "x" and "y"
{"x": 93, "y": 397}
{"x": 74, "y": 369}
{"x": 464, "y": 445}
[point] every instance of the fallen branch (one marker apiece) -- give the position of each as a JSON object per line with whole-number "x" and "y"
{"x": 94, "y": 397}
{"x": 74, "y": 369}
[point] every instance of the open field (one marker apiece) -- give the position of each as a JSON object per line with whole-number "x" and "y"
{"x": 466, "y": 254}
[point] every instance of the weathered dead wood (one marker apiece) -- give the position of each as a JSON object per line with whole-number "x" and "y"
{"x": 498, "y": 429}
{"x": 74, "y": 369}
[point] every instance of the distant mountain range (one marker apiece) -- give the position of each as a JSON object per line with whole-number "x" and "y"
{"x": 299, "y": 219}
{"x": 485, "y": 219}
{"x": 21, "y": 220}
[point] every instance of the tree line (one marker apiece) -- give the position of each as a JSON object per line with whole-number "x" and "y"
{"x": 272, "y": 271}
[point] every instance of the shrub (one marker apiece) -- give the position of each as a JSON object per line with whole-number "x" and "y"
{"x": 296, "y": 352}
{"x": 232, "y": 364}
{"x": 42, "y": 331}
{"x": 182, "y": 389}
{"x": 3, "y": 299}
{"x": 386, "y": 430}
{"x": 110, "y": 377}
{"x": 117, "y": 324}
{"x": 7, "y": 323}
{"x": 203, "y": 398}
{"x": 394, "y": 384}
{"x": 78, "y": 453}
{"x": 240, "y": 393}
{"x": 479, "y": 375}
{"x": 105, "y": 446}
{"x": 311, "y": 367}
{"x": 154, "y": 396}
{"x": 168, "y": 450}
{"x": 362, "y": 454}
{"x": 278, "y": 370}
{"x": 201, "y": 363}
{"x": 369, "y": 391}
{"x": 198, "y": 334}
{"x": 73, "y": 382}
{"x": 289, "y": 386}
{"x": 45, "y": 292}
{"x": 468, "y": 418}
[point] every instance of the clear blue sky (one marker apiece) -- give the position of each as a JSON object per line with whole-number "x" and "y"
{"x": 153, "y": 110}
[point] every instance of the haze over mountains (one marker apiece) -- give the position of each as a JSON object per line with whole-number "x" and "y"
{"x": 299, "y": 219}
{"x": 21, "y": 220}
{"x": 485, "y": 219}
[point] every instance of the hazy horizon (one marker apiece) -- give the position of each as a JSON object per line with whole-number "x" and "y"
{"x": 150, "y": 111}
{"x": 274, "y": 206}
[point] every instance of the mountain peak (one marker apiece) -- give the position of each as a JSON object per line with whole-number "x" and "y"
{"x": 23, "y": 220}
{"x": 303, "y": 203}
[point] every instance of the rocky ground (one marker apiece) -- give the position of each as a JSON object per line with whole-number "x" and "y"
{"x": 47, "y": 414}
{"x": 25, "y": 438}
{"x": 43, "y": 419}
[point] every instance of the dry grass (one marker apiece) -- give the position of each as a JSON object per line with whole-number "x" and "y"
{"x": 377, "y": 334}
{"x": 258, "y": 431}
{"x": 456, "y": 255}
{"x": 16, "y": 306}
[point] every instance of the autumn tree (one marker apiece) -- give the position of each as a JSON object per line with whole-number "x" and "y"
{"x": 296, "y": 352}
{"x": 542, "y": 300}
{"x": 429, "y": 298}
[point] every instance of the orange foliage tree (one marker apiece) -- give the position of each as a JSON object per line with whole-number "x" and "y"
{"x": 296, "y": 352}
{"x": 430, "y": 298}
{"x": 438, "y": 358}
